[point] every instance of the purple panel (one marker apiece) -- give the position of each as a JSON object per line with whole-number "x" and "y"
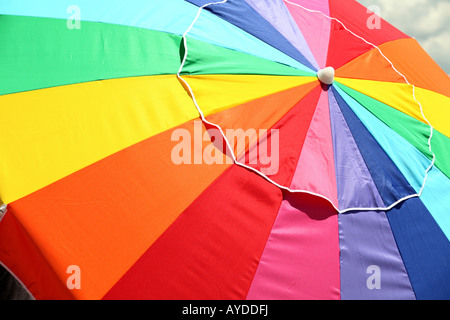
{"x": 371, "y": 265}
{"x": 276, "y": 13}
{"x": 356, "y": 188}
{"x": 369, "y": 253}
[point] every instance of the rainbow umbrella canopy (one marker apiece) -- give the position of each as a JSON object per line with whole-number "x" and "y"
{"x": 243, "y": 149}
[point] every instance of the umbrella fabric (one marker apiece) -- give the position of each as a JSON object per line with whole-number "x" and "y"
{"x": 96, "y": 99}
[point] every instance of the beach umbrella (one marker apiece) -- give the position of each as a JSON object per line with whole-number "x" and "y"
{"x": 234, "y": 149}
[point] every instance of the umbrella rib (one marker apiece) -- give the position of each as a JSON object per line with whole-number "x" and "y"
{"x": 230, "y": 149}
{"x": 202, "y": 116}
{"x": 3, "y": 209}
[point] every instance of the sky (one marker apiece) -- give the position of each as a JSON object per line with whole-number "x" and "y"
{"x": 426, "y": 20}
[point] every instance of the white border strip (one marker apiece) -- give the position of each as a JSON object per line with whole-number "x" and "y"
{"x": 230, "y": 149}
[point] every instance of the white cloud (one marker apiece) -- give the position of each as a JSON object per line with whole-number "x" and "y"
{"x": 425, "y": 20}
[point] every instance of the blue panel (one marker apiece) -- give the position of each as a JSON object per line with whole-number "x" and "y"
{"x": 411, "y": 162}
{"x": 390, "y": 182}
{"x": 422, "y": 243}
{"x": 424, "y": 248}
{"x": 243, "y": 16}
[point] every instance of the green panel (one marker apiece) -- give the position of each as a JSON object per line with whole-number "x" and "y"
{"x": 204, "y": 58}
{"x": 414, "y": 131}
{"x": 38, "y": 53}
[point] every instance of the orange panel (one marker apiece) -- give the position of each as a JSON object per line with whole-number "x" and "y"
{"x": 103, "y": 217}
{"x": 408, "y": 57}
{"x": 262, "y": 113}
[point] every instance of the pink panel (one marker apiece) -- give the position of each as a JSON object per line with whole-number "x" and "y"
{"x": 319, "y": 5}
{"x": 301, "y": 258}
{"x": 314, "y": 26}
{"x": 315, "y": 169}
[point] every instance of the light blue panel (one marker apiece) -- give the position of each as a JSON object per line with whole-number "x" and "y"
{"x": 436, "y": 197}
{"x": 411, "y": 162}
{"x": 173, "y": 16}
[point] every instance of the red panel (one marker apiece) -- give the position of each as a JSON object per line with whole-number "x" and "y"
{"x": 213, "y": 249}
{"x": 23, "y": 257}
{"x": 102, "y": 218}
{"x": 282, "y": 112}
{"x": 292, "y": 130}
{"x": 344, "y": 46}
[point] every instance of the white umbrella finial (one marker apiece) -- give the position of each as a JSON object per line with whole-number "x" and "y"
{"x": 326, "y": 75}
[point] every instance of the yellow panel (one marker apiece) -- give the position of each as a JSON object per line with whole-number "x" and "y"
{"x": 436, "y": 107}
{"x": 215, "y": 93}
{"x": 50, "y": 133}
